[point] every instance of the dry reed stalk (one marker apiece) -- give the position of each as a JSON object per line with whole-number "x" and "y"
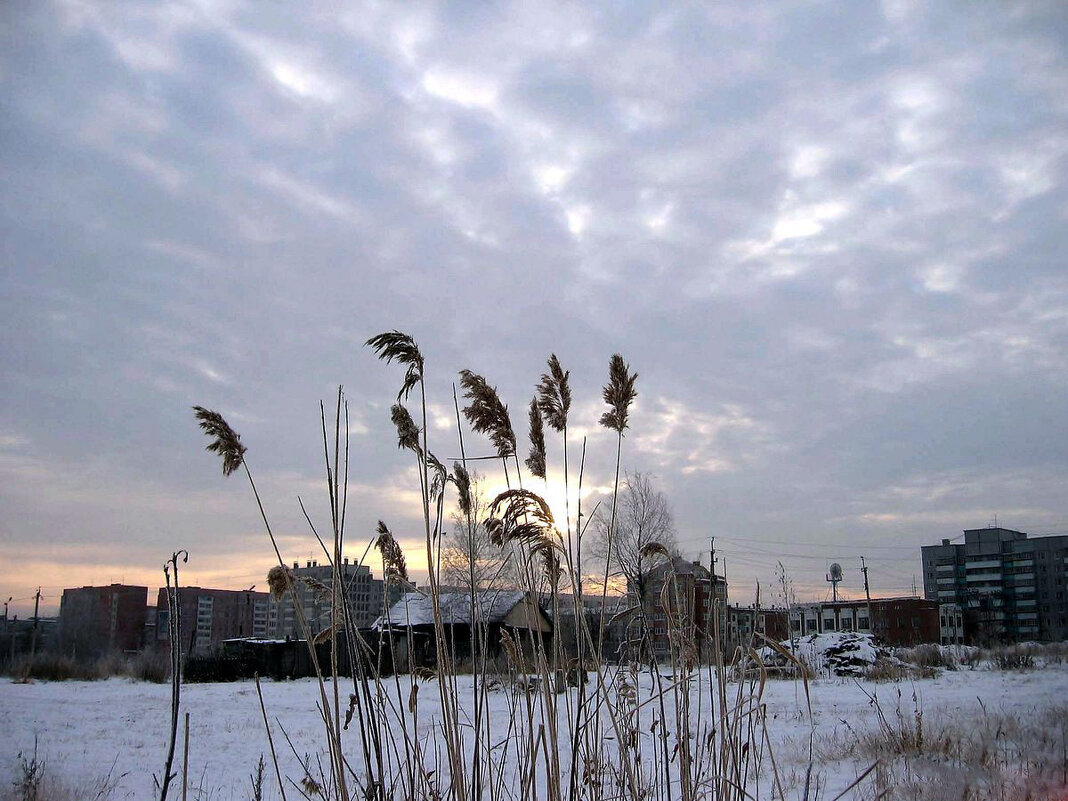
{"x": 402, "y": 347}
{"x": 270, "y": 740}
{"x": 175, "y": 631}
{"x": 228, "y": 445}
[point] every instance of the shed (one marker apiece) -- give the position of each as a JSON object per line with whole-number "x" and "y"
{"x": 493, "y": 612}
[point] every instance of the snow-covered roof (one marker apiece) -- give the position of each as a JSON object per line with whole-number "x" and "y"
{"x": 415, "y": 608}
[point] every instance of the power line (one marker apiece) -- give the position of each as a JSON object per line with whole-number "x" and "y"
{"x": 763, "y": 541}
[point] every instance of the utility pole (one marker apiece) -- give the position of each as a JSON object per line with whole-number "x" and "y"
{"x": 713, "y": 613}
{"x": 36, "y": 607}
{"x": 867, "y": 594}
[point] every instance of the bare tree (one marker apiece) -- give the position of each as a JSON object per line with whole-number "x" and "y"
{"x": 469, "y": 558}
{"x": 643, "y": 516}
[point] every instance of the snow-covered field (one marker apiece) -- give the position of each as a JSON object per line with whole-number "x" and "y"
{"x": 86, "y": 729}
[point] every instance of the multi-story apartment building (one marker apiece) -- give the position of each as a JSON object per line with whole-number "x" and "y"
{"x": 99, "y": 620}
{"x": 695, "y": 598}
{"x": 209, "y": 617}
{"x": 1012, "y": 588}
{"x": 366, "y": 598}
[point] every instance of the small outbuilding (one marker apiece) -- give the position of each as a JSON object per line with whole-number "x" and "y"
{"x": 478, "y": 622}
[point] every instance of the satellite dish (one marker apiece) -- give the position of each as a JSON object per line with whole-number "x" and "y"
{"x": 836, "y": 571}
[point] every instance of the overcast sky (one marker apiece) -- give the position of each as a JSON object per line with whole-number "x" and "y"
{"x": 830, "y": 238}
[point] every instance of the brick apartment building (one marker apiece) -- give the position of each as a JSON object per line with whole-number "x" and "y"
{"x": 94, "y": 621}
{"x": 1012, "y": 588}
{"x": 744, "y": 623}
{"x": 694, "y": 595}
{"x": 209, "y": 617}
{"x": 894, "y": 621}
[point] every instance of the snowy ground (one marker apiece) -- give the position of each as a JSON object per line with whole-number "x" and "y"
{"x": 86, "y": 729}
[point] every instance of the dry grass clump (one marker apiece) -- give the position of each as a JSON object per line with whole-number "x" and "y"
{"x": 51, "y": 666}
{"x": 927, "y": 655}
{"x": 973, "y": 755}
{"x": 892, "y": 669}
{"x": 1013, "y": 657}
{"x": 1005, "y": 756}
{"x": 150, "y": 666}
{"x": 1025, "y": 656}
{"x": 34, "y": 782}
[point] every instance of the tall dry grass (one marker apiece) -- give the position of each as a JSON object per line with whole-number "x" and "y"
{"x": 535, "y": 724}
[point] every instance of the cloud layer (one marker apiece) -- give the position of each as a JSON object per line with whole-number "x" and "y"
{"x": 829, "y": 239}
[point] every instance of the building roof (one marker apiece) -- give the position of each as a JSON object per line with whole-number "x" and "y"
{"x": 682, "y": 567}
{"x": 416, "y": 609}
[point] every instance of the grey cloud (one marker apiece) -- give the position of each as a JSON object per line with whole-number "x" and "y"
{"x": 845, "y": 225}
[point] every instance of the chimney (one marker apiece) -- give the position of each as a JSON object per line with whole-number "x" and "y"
{"x": 945, "y": 542}
{"x": 346, "y": 560}
{"x": 296, "y": 564}
{"x": 309, "y": 563}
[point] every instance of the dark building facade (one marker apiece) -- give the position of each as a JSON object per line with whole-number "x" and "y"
{"x": 893, "y": 621}
{"x": 1012, "y": 588}
{"x": 97, "y": 620}
{"x": 696, "y": 599}
{"x": 209, "y": 617}
{"x": 746, "y": 624}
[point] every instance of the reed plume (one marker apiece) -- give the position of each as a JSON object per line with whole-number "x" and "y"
{"x": 521, "y": 503}
{"x": 653, "y": 549}
{"x": 225, "y": 441}
{"x": 397, "y": 345}
{"x": 394, "y": 565}
{"x": 619, "y": 393}
{"x": 536, "y": 460}
{"x": 462, "y": 479}
{"x": 554, "y": 394}
{"x": 548, "y": 552}
{"x": 407, "y": 430}
{"x": 487, "y": 414}
{"x": 279, "y": 579}
{"x": 520, "y": 516}
{"x": 439, "y": 477}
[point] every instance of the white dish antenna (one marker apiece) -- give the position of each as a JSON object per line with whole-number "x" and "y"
{"x": 834, "y": 576}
